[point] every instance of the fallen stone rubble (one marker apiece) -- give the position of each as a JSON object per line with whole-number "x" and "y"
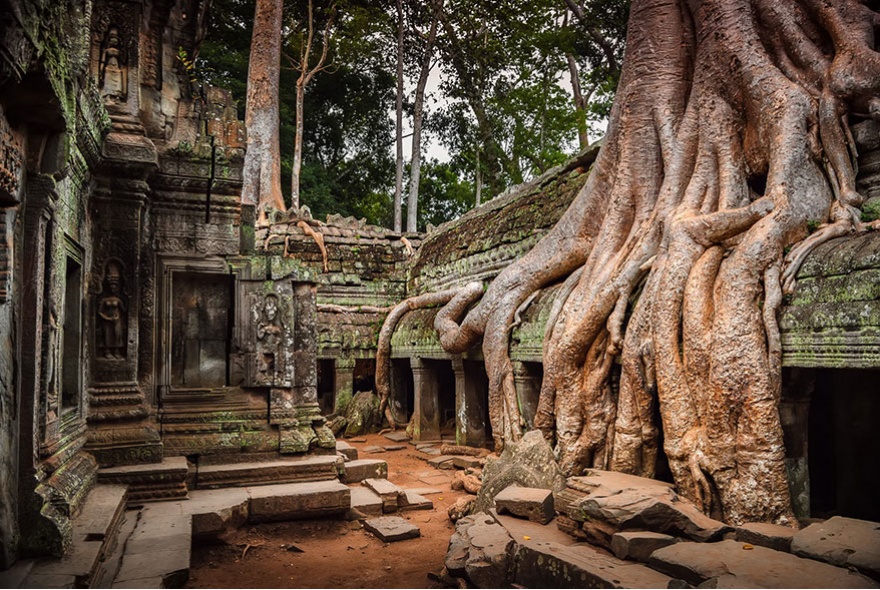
{"x": 658, "y": 540}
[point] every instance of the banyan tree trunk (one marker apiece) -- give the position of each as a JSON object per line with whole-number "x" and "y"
{"x": 729, "y": 139}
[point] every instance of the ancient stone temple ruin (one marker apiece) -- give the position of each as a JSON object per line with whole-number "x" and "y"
{"x": 154, "y": 340}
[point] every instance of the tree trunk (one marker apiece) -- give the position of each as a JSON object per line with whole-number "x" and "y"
{"x": 672, "y": 255}
{"x": 296, "y": 167}
{"x": 418, "y": 116}
{"x": 398, "y": 181}
{"x": 580, "y": 105}
{"x": 261, "y": 176}
{"x": 478, "y": 180}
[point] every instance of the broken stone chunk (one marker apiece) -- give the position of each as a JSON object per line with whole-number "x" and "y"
{"x": 385, "y": 490}
{"x": 639, "y": 545}
{"x": 409, "y": 500}
{"x": 362, "y": 469}
{"x": 392, "y": 528}
{"x": 773, "y": 536}
{"x": 845, "y": 542}
{"x": 534, "y": 504}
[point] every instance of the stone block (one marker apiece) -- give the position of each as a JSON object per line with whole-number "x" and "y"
{"x": 534, "y": 504}
{"x": 639, "y": 545}
{"x": 392, "y": 528}
{"x": 346, "y": 450}
{"x": 750, "y": 566}
{"x": 361, "y": 469}
{"x": 171, "y": 566}
{"x": 409, "y": 500}
{"x": 396, "y": 436}
{"x": 366, "y": 501}
{"x": 373, "y": 449}
{"x": 296, "y": 501}
{"x": 385, "y": 490}
{"x": 466, "y": 462}
{"x": 845, "y": 542}
{"x": 441, "y": 462}
{"x": 431, "y": 450}
{"x": 214, "y": 512}
{"x": 772, "y": 536}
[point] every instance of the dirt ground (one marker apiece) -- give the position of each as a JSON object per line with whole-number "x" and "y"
{"x": 338, "y": 553}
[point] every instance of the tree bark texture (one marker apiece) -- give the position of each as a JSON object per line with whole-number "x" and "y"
{"x": 261, "y": 176}
{"x": 412, "y": 205}
{"x": 728, "y": 139}
{"x": 398, "y": 108}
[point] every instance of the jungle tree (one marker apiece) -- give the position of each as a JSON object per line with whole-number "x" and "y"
{"x": 728, "y": 140}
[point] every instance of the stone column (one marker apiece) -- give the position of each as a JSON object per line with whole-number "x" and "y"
{"x": 426, "y": 425}
{"x": 794, "y": 413}
{"x": 303, "y": 427}
{"x": 528, "y": 389}
{"x": 122, "y": 429}
{"x": 343, "y": 383}
{"x": 470, "y": 394}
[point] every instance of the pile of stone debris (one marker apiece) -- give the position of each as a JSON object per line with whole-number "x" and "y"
{"x": 532, "y": 527}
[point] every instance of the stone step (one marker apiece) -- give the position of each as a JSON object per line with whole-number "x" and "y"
{"x": 149, "y": 481}
{"x": 349, "y": 452}
{"x": 365, "y": 502}
{"x": 157, "y": 554}
{"x": 386, "y": 490}
{"x": 361, "y": 469}
{"x": 95, "y": 537}
{"x": 287, "y": 470}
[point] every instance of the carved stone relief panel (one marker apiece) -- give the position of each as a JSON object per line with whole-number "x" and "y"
{"x": 114, "y": 54}
{"x": 269, "y": 334}
{"x": 11, "y": 159}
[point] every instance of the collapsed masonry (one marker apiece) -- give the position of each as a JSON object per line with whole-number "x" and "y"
{"x": 151, "y": 332}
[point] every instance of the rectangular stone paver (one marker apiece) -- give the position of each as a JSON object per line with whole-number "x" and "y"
{"x": 409, "y": 500}
{"x": 387, "y": 491}
{"x": 392, "y": 528}
{"x": 300, "y": 500}
{"x": 362, "y": 469}
{"x": 748, "y": 566}
{"x": 773, "y": 536}
{"x": 396, "y": 436}
{"x": 349, "y": 452}
{"x": 639, "y": 545}
{"x": 466, "y": 462}
{"x": 532, "y": 503}
{"x": 845, "y": 542}
{"x": 366, "y": 501}
{"x": 440, "y": 460}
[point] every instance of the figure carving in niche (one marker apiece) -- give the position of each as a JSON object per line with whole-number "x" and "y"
{"x": 113, "y": 66}
{"x": 112, "y": 315}
{"x": 268, "y": 337}
{"x": 52, "y": 348}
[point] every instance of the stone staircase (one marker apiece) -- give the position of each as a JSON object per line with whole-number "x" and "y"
{"x": 149, "y": 544}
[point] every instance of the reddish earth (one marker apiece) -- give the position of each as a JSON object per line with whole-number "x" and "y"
{"x": 338, "y": 553}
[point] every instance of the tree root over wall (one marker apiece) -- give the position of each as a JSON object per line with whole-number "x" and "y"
{"x": 729, "y": 139}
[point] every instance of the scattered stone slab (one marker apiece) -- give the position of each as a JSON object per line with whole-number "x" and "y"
{"x": 438, "y": 461}
{"x": 361, "y": 469}
{"x": 285, "y": 470}
{"x": 602, "y": 503}
{"x": 845, "y": 542}
{"x": 528, "y": 532}
{"x": 346, "y": 450}
{"x": 396, "y": 436}
{"x": 435, "y": 480}
{"x": 748, "y": 565}
{"x": 639, "y": 545}
{"x": 466, "y": 462}
{"x": 392, "y": 528}
{"x": 296, "y": 501}
{"x": 425, "y": 491}
{"x": 372, "y": 449}
{"x": 385, "y": 490}
{"x": 409, "y": 500}
{"x": 479, "y": 550}
{"x": 358, "y": 439}
{"x": 533, "y": 504}
{"x": 772, "y": 536}
{"x": 391, "y": 448}
{"x": 551, "y": 565}
{"x": 213, "y": 512}
{"x": 423, "y": 446}
{"x": 433, "y": 451}
{"x": 529, "y": 463}
{"x": 366, "y": 501}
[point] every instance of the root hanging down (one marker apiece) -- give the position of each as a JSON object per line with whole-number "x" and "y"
{"x": 729, "y": 137}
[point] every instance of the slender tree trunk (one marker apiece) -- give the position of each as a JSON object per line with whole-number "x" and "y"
{"x": 478, "y": 179}
{"x": 580, "y": 105}
{"x": 398, "y": 181}
{"x": 261, "y": 176}
{"x": 297, "y": 143}
{"x": 418, "y": 116}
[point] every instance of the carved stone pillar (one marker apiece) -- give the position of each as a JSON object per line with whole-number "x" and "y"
{"x": 527, "y": 381}
{"x": 426, "y": 413}
{"x": 343, "y": 383}
{"x": 470, "y": 403}
{"x": 798, "y": 386}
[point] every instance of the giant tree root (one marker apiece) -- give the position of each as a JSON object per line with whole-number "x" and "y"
{"x": 729, "y": 136}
